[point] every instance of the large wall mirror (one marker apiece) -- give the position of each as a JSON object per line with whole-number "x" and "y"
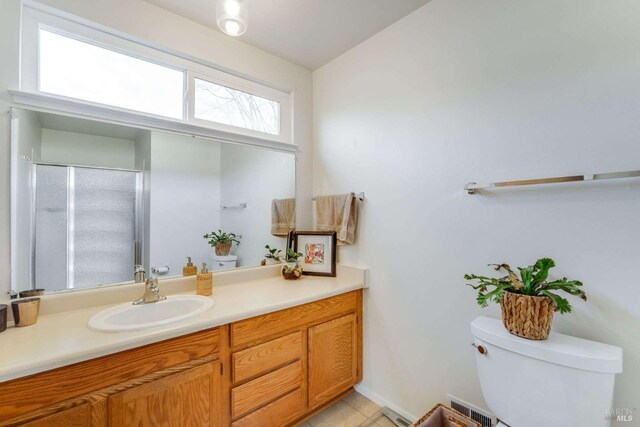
{"x": 90, "y": 200}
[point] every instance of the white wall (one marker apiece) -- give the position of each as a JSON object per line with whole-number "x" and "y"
{"x": 29, "y": 142}
{"x": 156, "y": 25}
{"x": 9, "y": 52}
{"x": 88, "y": 150}
{"x": 185, "y": 199}
{"x": 465, "y": 90}
{"x": 254, "y": 176}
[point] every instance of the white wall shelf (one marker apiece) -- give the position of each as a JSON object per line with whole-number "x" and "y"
{"x": 471, "y": 187}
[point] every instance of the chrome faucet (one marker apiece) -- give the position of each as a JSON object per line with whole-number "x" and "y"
{"x": 138, "y": 273}
{"x": 151, "y": 293}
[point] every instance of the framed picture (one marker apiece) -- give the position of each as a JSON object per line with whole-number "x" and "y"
{"x": 318, "y": 250}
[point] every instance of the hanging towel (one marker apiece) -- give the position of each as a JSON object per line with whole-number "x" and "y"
{"x": 338, "y": 213}
{"x": 283, "y": 216}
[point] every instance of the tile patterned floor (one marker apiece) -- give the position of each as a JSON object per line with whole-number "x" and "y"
{"x": 353, "y": 410}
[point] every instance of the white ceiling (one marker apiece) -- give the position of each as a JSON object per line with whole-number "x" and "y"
{"x": 307, "y": 32}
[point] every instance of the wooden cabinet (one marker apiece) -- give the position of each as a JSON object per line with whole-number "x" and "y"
{"x": 272, "y": 325}
{"x": 271, "y": 370}
{"x": 333, "y": 358}
{"x": 78, "y": 416}
{"x": 189, "y": 398}
{"x": 254, "y": 394}
{"x": 277, "y": 413}
{"x": 265, "y": 357}
{"x": 289, "y": 363}
{"x": 64, "y": 387}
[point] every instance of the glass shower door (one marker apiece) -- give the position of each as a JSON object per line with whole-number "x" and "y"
{"x": 85, "y": 226}
{"x": 103, "y": 215}
{"x": 50, "y": 228}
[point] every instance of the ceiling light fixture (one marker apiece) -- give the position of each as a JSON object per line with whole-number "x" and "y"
{"x": 231, "y": 16}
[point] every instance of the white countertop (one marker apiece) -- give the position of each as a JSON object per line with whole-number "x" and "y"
{"x": 63, "y": 338}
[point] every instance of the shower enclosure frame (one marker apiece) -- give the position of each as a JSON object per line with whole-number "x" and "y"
{"x": 139, "y": 226}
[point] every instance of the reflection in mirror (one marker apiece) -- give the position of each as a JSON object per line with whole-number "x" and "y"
{"x": 90, "y": 200}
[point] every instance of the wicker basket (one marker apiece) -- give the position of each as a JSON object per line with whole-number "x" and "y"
{"x": 443, "y": 416}
{"x": 527, "y": 316}
{"x": 222, "y": 249}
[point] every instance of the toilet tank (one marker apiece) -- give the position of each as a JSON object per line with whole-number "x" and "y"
{"x": 223, "y": 262}
{"x": 559, "y": 382}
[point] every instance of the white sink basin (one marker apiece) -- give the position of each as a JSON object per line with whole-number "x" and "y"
{"x": 129, "y": 317}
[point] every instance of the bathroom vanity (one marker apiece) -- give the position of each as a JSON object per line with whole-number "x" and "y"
{"x": 98, "y": 201}
{"x": 269, "y": 353}
{"x": 105, "y": 197}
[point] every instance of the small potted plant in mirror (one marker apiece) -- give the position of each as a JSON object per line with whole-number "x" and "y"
{"x": 222, "y": 241}
{"x": 291, "y": 270}
{"x": 527, "y": 300}
{"x": 272, "y": 256}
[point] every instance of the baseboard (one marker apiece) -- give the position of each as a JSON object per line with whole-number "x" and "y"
{"x": 375, "y": 397}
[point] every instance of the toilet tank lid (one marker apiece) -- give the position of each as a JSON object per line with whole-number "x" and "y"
{"x": 225, "y": 258}
{"x": 558, "y": 348}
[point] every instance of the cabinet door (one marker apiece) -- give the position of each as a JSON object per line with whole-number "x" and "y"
{"x": 332, "y": 358}
{"x": 79, "y": 416}
{"x": 189, "y": 398}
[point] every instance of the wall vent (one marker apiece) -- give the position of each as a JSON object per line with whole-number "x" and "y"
{"x": 485, "y": 418}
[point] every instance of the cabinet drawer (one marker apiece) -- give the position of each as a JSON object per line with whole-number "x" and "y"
{"x": 260, "y": 328}
{"x": 277, "y": 413}
{"x": 259, "y": 392}
{"x": 266, "y": 357}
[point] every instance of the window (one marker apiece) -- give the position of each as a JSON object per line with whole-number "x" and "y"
{"x": 72, "y": 65}
{"x": 81, "y": 70}
{"x": 228, "y": 106}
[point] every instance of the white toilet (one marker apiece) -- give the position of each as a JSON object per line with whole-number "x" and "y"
{"x": 563, "y": 381}
{"x": 223, "y": 262}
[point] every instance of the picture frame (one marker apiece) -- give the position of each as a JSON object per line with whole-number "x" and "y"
{"x": 319, "y": 250}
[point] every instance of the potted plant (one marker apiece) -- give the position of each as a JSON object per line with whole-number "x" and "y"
{"x": 272, "y": 256}
{"x": 527, "y": 300}
{"x": 292, "y": 270}
{"x": 222, "y": 241}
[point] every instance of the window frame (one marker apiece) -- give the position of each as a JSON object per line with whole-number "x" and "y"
{"x": 236, "y": 83}
{"x": 117, "y": 49}
{"x": 36, "y": 16}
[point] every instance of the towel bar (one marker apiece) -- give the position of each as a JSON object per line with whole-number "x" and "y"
{"x": 238, "y": 206}
{"x": 359, "y": 196}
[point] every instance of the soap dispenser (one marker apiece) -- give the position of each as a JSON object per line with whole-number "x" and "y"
{"x": 204, "y": 281}
{"x": 189, "y": 269}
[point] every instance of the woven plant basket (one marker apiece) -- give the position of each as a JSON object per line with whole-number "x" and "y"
{"x": 222, "y": 249}
{"x": 527, "y": 316}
